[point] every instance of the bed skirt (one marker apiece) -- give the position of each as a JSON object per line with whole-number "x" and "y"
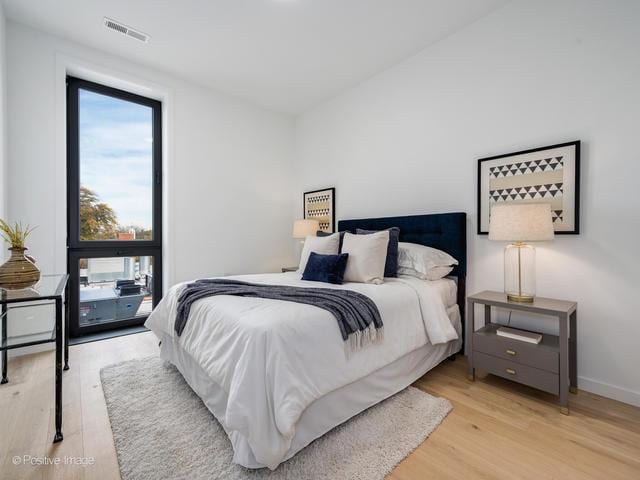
{"x": 326, "y": 412}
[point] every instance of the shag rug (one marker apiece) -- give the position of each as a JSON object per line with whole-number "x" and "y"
{"x": 162, "y": 430}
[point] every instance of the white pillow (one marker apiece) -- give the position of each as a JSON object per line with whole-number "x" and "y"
{"x": 324, "y": 245}
{"x": 435, "y": 273}
{"x": 423, "y": 260}
{"x": 367, "y": 256}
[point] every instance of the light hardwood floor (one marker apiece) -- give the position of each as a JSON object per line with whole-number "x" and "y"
{"x": 497, "y": 429}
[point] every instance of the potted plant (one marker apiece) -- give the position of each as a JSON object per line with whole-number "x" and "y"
{"x": 20, "y": 270}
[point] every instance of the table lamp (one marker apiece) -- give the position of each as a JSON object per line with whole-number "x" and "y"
{"x": 304, "y": 228}
{"x": 520, "y": 223}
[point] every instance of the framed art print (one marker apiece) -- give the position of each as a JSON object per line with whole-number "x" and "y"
{"x": 540, "y": 175}
{"x": 321, "y": 205}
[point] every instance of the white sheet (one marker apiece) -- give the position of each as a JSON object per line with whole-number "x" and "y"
{"x": 274, "y": 358}
{"x": 447, "y": 289}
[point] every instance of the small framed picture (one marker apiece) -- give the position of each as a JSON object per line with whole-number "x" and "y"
{"x": 321, "y": 205}
{"x": 540, "y": 175}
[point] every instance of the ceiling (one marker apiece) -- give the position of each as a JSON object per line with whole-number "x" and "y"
{"x": 286, "y": 55}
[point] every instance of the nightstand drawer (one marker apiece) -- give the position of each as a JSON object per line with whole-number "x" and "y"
{"x": 543, "y": 356}
{"x": 517, "y": 372}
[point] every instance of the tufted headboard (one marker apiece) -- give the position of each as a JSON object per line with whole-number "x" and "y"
{"x": 444, "y": 231}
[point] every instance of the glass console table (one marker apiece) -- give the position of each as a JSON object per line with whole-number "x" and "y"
{"x": 50, "y": 290}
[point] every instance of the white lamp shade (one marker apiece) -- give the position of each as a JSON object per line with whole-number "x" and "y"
{"x": 521, "y": 222}
{"x": 305, "y": 228}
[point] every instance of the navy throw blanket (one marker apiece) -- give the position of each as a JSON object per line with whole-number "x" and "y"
{"x": 357, "y": 316}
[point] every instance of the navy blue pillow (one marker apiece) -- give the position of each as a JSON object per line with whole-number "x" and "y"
{"x": 391, "y": 264}
{"x": 326, "y": 268}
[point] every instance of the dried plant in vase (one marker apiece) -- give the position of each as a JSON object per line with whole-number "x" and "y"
{"x": 20, "y": 270}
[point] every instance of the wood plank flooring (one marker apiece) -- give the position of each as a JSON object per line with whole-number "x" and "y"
{"x": 497, "y": 429}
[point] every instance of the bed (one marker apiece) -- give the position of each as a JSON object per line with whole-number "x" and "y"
{"x": 276, "y": 374}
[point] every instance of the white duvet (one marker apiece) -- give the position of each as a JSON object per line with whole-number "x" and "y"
{"x": 274, "y": 358}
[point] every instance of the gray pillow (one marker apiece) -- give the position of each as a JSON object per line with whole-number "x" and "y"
{"x": 320, "y": 233}
{"x": 391, "y": 264}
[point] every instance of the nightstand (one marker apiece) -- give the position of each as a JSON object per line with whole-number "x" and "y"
{"x": 289, "y": 269}
{"x": 50, "y": 290}
{"x": 550, "y": 365}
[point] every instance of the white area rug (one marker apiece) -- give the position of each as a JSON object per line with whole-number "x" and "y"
{"x": 162, "y": 430}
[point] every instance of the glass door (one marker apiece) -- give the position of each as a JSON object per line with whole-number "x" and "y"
{"x": 114, "y": 187}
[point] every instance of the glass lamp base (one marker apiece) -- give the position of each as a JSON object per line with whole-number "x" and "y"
{"x": 519, "y": 273}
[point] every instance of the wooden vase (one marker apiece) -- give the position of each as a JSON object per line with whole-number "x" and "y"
{"x": 19, "y": 271}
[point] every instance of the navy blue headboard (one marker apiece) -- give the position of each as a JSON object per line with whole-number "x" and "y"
{"x": 444, "y": 231}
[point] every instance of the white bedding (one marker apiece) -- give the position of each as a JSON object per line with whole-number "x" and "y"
{"x": 447, "y": 289}
{"x": 273, "y": 359}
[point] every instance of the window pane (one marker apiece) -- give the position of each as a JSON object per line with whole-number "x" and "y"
{"x": 114, "y": 289}
{"x": 116, "y": 168}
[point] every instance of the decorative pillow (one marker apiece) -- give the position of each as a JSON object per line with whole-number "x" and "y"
{"x": 324, "y": 245}
{"x": 320, "y": 233}
{"x": 435, "y": 273}
{"x": 367, "y": 256}
{"x": 325, "y": 268}
{"x": 423, "y": 259}
{"x": 391, "y": 264}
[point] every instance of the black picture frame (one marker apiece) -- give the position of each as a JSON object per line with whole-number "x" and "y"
{"x": 332, "y": 192}
{"x": 576, "y": 182}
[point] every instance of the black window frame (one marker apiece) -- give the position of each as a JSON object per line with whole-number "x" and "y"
{"x": 77, "y": 248}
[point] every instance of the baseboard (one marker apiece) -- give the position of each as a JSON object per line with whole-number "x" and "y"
{"x": 607, "y": 390}
{"x": 96, "y": 337}
{"x": 588, "y": 384}
{"x": 610, "y": 391}
{"x": 44, "y": 347}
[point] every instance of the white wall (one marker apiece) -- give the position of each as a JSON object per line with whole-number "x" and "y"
{"x": 3, "y": 156}
{"x": 229, "y": 171}
{"x": 530, "y": 74}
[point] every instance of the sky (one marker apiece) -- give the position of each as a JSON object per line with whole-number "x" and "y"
{"x": 116, "y": 141}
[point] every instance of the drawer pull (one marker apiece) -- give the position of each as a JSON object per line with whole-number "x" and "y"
{"x": 510, "y": 371}
{"x": 513, "y": 353}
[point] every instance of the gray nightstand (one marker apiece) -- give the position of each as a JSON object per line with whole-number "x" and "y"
{"x": 550, "y": 366}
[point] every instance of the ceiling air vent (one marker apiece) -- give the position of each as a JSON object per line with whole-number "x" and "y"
{"x": 124, "y": 30}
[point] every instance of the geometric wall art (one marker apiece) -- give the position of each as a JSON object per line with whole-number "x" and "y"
{"x": 321, "y": 205}
{"x": 539, "y": 175}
